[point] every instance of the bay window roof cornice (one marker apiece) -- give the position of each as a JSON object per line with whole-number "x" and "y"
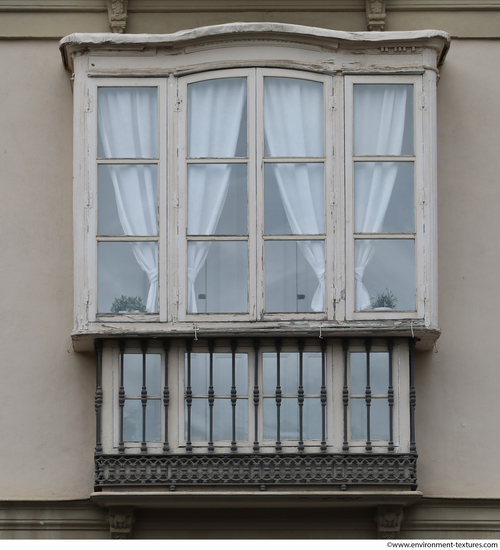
{"x": 326, "y": 39}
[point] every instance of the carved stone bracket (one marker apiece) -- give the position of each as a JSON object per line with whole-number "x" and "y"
{"x": 117, "y": 15}
{"x": 375, "y": 15}
{"x": 120, "y": 522}
{"x": 389, "y": 519}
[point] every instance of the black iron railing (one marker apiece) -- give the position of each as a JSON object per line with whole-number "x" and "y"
{"x": 266, "y": 466}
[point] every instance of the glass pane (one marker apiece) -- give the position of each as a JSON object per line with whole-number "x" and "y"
{"x": 383, "y": 119}
{"x": 295, "y": 273}
{"x": 200, "y": 420}
{"x": 294, "y": 199}
{"x": 312, "y": 373}
{"x": 127, "y": 199}
{"x": 379, "y": 420}
{"x": 358, "y": 419}
{"x": 311, "y": 421}
{"x": 221, "y": 280}
{"x": 217, "y": 118}
{"x": 379, "y": 373}
{"x": 269, "y": 372}
{"x": 289, "y": 372}
{"x": 223, "y": 420}
{"x": 223, "y": 373}
{"x": 132, "y": 420}
{"x": 358, "y": 373}
{"x": 153, "y": 373}
{"x": 217, "y": 199}
{"x": 389, "y": 275}
{"x": 128, "y": 122}
{"x": 293, "y": 117}
{"x": 289, "y": 418}
{"x": 124, "y": 271}
{"x": 200, "y": 369}
{"x": 132, "y": 373}
{"x": 153, "y": 420}
{"x": 384, "y": 197}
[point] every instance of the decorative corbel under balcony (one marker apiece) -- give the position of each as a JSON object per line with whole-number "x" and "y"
{"x": 375, "y": 15}
{"x": 117, "y": 15}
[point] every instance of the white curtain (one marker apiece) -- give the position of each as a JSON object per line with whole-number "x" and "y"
{"x": 293, "y": 126}
{"x": 379, "y": 121}
{"x": 216, "y": 109}
{"x": 128, "y": 129}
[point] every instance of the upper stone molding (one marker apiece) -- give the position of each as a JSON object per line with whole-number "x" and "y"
{"x": 236, "y": 32}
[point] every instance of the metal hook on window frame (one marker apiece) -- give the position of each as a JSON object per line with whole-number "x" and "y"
{"x": 320, "y": 333}
{"x": 195, "y": 328}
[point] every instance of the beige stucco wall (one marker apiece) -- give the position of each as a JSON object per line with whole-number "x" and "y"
{"x": 46, "y": 390}
{"x": 457, "y": 384}
{"x": 47, "y": 422}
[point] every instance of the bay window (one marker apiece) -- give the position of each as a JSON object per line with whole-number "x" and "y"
{"x": 255, "y": 251}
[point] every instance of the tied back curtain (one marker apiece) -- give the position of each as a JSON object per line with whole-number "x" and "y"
{"x": 293, "y": 127}
{"x": 216, "y": 110}
{"x": 379, "y": 124}
{"x": 128, "y": 122}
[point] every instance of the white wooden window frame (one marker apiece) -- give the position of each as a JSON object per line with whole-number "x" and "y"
{"x": 419, "y": 190}
{"x": 93, "y": 204}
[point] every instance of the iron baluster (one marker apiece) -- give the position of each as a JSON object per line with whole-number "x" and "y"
{"x": 301, "y": 395}
{"x": 98, "y": 395}
{"x": 234, "y": 447}
{"x": 189, "y": 396}
{"x": 211, "y": 399}
{"x": 256, "y": 345}
{"x": 278, "y": 395}
{"x": 413, "y": 400}
{"x": 368, "y": 396}
{"x": 345, "y": 392}
{"x": 121, "y": 398}
{"x": 144, "y": 395}
{"x": 323, "y": 396}
{"x": 390, "y": 397}
{"x": 166, "y": 394}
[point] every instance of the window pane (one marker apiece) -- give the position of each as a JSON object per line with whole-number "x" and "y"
{"x": 153, "y": 420}
{"x": 389, "y": 275}
{"x": 220, "y": 273}
{"x": 127, "y": 199}
{"x": 200, "y": 369}
{"x": 289, "y": 418}
{"x": 222, "y": 418}
{"x": 128, "y": 122}
{"x": 312, "y": 372}
{"x": 217, "y": 118}
{"x": 379, "y": 373}
{"x": 358, "y": 373}
{"x": 294, "y": 199}
{"x": 200, "y": 420}
{"x": 358, "y": 418}
{"x": 384, "y": 197}
{"x": 289, "y": 372}
{"x": 295, "y": 272}
{"x": 312, "y": 421}
{"x": 379, "y": 420}
{"x": 132, "y": 420}
{"x": 222, "y": 376}
{"x": 127, "y": 275}
{"x": 383, "y": 119}
{"x": 293, "y": 117}
{"x": 217, "y": 199}
{"x": 132, "y": 373}
{"x": 223, "y": 373}
{"x": 153, "y": 373}
{"x": 223, "y": 423}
